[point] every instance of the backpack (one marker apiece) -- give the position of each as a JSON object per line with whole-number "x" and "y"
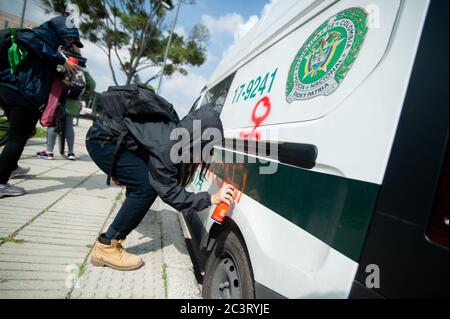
{"x": 5, "y": 44}
{"x": 12, "y": 54}
{"x": 76, "y": 85}
{"x": 137, "y": 102}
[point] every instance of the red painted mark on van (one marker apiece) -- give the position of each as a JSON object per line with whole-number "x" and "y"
{"x": 229, "y": 171}
{"x": 258, "y": 120}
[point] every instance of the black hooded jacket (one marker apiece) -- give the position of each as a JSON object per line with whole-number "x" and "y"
{"x": 154, "y": 137}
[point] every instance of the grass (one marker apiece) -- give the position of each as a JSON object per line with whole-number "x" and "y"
{"x": 80, "y": 270}
{"x": 119, "y": 196}
{"x": 164, "y": 277}
{"x": 41, "y": 132}
{"x": 10, "y": 239}
{"x": 3, "y": 126}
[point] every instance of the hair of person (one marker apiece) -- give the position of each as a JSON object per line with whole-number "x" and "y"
{"x": 186, "y": 172}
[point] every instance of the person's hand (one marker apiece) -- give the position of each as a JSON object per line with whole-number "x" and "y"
{"x": 70, "y": 67}
{"x": 225, "y": 194}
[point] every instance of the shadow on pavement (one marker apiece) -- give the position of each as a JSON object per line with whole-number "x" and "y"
{"x": 155, "y": 243}
{"x": 96, "y": 182}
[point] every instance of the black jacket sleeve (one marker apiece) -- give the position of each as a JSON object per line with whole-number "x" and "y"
{"x": 163, "y": 177}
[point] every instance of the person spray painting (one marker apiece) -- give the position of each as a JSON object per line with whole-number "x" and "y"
{"x": 132, "y": 144}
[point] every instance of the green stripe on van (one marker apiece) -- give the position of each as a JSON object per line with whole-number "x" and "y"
{"x": 334, "y": 209}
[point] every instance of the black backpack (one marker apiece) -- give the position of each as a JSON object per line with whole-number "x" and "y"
{"x": 139, "y": 103}
{"x": 5, "y": 43}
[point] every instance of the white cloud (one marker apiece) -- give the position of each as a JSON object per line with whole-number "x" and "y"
{"x": 226, "y": 23}
{"x": 243, "y": 28}
{"x": 182, "y": 91}
{"x": 97, "y": 62}
{"x": 267, "y": 8}
{"x": 234, "y": 24}
{"x": 181, "y": 31}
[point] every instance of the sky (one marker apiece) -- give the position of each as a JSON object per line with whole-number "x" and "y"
{"x": 227, "y": 20}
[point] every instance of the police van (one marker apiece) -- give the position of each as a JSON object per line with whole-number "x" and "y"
{"x": 353, "y": 97}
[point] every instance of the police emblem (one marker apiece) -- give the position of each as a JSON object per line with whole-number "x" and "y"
{"x": 327, "y": 56}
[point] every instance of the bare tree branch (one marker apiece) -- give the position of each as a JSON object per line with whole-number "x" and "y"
{"x": 148, "y": 66}
{"x": 112, "y": 67}
{"x": 144, "y": 40}
{"x": 153, "y": 77}
{"x": 115, "y": 43}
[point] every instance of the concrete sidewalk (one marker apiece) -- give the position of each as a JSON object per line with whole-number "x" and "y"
{"x": 46, "y": 236}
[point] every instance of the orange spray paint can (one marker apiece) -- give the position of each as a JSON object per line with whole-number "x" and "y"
{"x": 72, "y": 60}
{"x": 220, "y": 212}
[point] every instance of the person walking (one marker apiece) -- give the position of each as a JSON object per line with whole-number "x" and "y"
{"x": 135, "y": 151}
{"x": 25, "y": 87}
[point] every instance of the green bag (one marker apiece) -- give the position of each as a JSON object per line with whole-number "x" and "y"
{"x": 16, "y": 53}
{"x": 73, "y": 107}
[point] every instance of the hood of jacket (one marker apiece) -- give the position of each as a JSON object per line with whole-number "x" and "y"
{"x": 55, "y": 30}
{"x": 197, "y": 122}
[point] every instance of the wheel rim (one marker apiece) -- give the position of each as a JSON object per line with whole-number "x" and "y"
{"x": 226, "y": 282}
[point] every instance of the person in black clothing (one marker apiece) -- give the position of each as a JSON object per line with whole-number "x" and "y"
{"x": 149, "y": 172}
{"x": 24, "y": 92}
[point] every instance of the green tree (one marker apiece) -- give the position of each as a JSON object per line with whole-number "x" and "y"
{"x": 139, "y": 27}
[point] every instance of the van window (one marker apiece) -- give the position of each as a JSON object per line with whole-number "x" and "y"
{"x": 195, "y": 105}
{"x": 217, "y": 95}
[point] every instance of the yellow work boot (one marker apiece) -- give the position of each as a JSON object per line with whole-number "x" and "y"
{"x": 114, "y": 256}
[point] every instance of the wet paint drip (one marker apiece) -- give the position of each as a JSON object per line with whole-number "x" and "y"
{"x": 224, "y": 170}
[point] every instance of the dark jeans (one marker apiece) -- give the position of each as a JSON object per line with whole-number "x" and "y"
{"x": 22, "y": 119}
{"x": 131, "y": 171}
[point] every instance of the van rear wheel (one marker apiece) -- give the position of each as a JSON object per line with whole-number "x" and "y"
{"x": 228, "y": 274}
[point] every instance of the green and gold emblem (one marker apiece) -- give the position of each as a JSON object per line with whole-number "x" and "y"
{"x": 327, "y": 56}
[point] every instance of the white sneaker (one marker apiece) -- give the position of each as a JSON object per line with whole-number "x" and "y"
{"x": 71, "y": 156}
{"x": 9, "y": 190}
{"x": 19, "y": 171}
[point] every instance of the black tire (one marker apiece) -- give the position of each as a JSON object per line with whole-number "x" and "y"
{"x": 228, "y": 273}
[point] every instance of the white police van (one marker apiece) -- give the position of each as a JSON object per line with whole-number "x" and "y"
{"x": 354, "y": 95}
